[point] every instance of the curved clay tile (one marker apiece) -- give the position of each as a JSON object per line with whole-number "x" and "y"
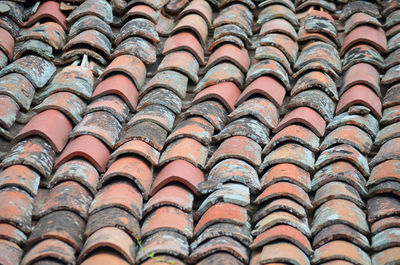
{"x": 282, "y": 204}
{"x": 232, "y": 30}
{"x": 141, "y": 10}
{"x": 194, "y": 23}
{"x": 42, "y": 125}
{"x": 294, "y": 133}
{"x": 48, "y": 10}
{"x": 316, "y": 79}
{"x": 227, "y": 93}
{"x": 112, "y": 104}
{"x": 22, "y": 177}
{"x": 163, "y": 97}
{"x": 33, "y": 47}
{"x": 279, "y": 25}
{"x": 366, "y": 122}
{"x": 7, "y": 43}
{"x": 136, "y": 147}
{"x": 194, "y": 127}
{"x": 282, "y": 251}
{"x": 79, "y": 170}
{"x": 105, "y": 255}
{"x": 101, "y": 9}
{"x": 132, "y": 168}
{"x": 185, "y": 40}
{"x": 50, "y": 248}
{"x": 138, "y": 47}
{"x": 307, "y": 116}
{"x": 172, "y": 80}
{"x": 19, "y": 88}
{"x": 329, "y": 6}
{"x": 277, "y": 11}
{"x": 289, "y": 4}
{"x": 178, "y": 171}
{"x": 236, "y": 14}
{"x": 359, "y": 19}
{"x": 362, "y": 53}
{"x": 351, "y": 135}
{"x": 337, "y": 190}
{"x": 141, "y": 27}
{"x": 268, "y": 67}
{"x": 230, "y": 53}
{"x": 283, "y": 42}
{"x": 91, "y": 23}
{"x": 121, "y": 194}
{"x": 200, "y": 7}
{"x": 361, "y": 73}
{"x": 365, "y": 34}
{"x": 157, "y": 114}
{"x": 183, "y": 62}
{"x": 275, "y": 54}
{"x": 360, "y": 94}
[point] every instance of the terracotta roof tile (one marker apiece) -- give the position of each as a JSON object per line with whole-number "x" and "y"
{"x": 50, "y": 248}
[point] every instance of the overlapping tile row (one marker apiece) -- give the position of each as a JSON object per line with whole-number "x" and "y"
{"x": 222, "y": 228}
{"x": 383, "y": 188}
{"x": 167, "y": 221}
{"x": 282, "y": 228}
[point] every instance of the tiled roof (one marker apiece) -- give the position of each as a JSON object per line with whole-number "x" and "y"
{"x": 200, "y": 132}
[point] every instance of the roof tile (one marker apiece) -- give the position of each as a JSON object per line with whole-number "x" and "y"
{"x": 50, "y": 248}
{"x": 193, "y": 127}
{"x": 90, "y": 22}
{"x": 283, "y": 252}
{"x": 21, "y": 177}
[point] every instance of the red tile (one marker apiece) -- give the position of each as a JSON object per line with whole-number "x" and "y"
{"x": 132, "y": 168}
{"x": 285, "y": 189}
{"x": 165, "y": 24}
{"x": 162, "y": 259}
{"x": 307, "y": 116}
{"x": 385, "y": 223}
{"x": 49, "y": 9}
{"x": 88, "y": 147}
{"x": 110, "y": 237}
{"x": 227, "y": 93}
{"x": 365, "y": 34}
{"x": 194, "y": 127}
{"x": 11, "y": 234}
{"x": 360, "y": 94}
{"x": 388, "y": 170}
{"x": 283, "y": 42}
{"x": 187, "y": 149}
{"x": 102, "y": 9}
{"x": 21, "y": 177}
{"x": 341, "y": 250}
{"x": 361, "y": 73}
{"x": 317, "y": 65}
{"x": 138, "y": 47}
{"x": 68, "y": 195}
{"x": 19, "y": 88}
{"x": 222, "y": 72}
{"x": 279, "y": 25}
{"x": 359, "y": 7}
{"x": 194, "y": 23}
{"x": 65, "y": 226}
{"x": 366, "y": 122}
{"x": 181, "y": 61}
{"x": 283, "y": 252}
{"x": 79, "y": 170}
{"x": 337, "y": 190}
{"x": 185, "y": 40}
{"x": 382, "y": 206}
{"x": 164, "y": 242}
{"x": 182, "y": 198}
{"x": 350, "y": 135}
{"x": 50, "y": 248}
{"x": 141, "y": 10}
{"x": 315, "y": 79}
{"x": 232, "y": 53}
{"x": 260, "y": 108}
{"x": 168, "y": 218}
{"x": 200, "y": 7}
{"x": 112, "y": 104}
{"x": 281, "y": 217}
{"x": 392, "y": 96}
{"x": 8, "y": 111}
{"x": 16, "y": 208}
{"x": 106, "y": 256}
{"x": 267, "y": 86}
{"x": 42, "y": 125}
{"x": 180, "y": 171}
{"x": 118, "y": 194}
{"x": 285, "y": 233}
{"x": 221, "y": 244}
{"x": 226, "y": 39}
{"x": 294, "y": 133}
{"x": 141, "y": 27}
{"x": 390, "y": 115}
{"x": 137, "y": 147}
{"x": 129, "y": 65}
{"x": 221, "y": 212}
{"x": 7, "y": 43}
{"x": 270, "y": 68}
{"x": 290, "y": 153}
{"x": 239, "y": 147}
{"x": 339, "y": 211}
{"x": 34, "y": 152}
